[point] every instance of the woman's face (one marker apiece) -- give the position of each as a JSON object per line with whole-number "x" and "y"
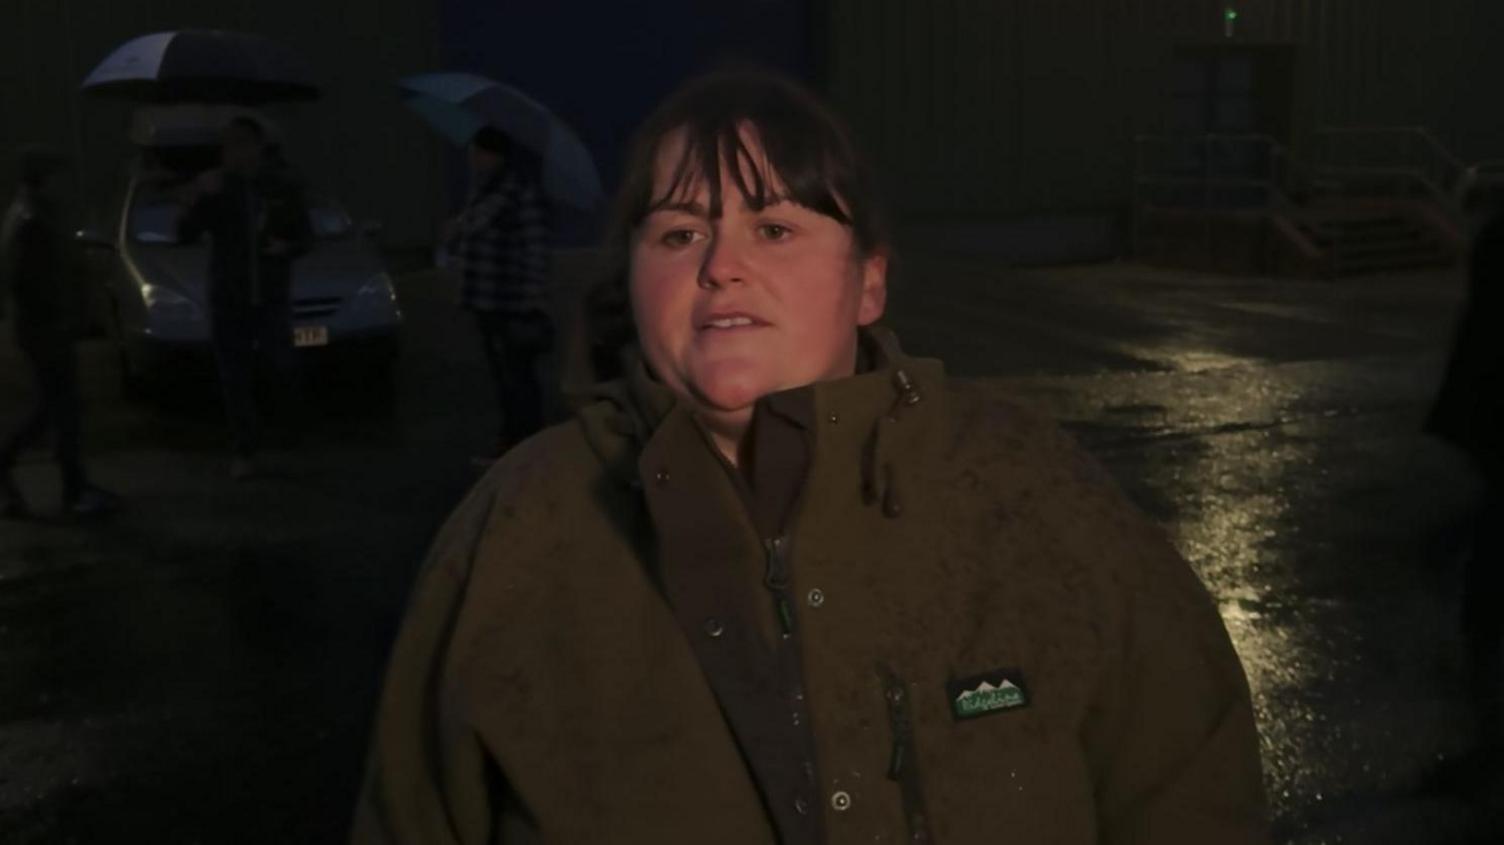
{"x": 734, "y": 307}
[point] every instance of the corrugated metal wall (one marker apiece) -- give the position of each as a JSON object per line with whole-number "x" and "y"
{"x": 1005, "y": 107}
{"x": 358, "y": 142}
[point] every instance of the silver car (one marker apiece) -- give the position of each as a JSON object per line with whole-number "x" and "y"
{"x": 154, "y": 291}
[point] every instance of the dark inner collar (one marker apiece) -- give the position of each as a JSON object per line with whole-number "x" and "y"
{"x": 777, "y": 457}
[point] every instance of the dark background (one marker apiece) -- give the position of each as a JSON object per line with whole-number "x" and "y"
{"x": 1018, "y": 117}
{"x": 203, "y": 668}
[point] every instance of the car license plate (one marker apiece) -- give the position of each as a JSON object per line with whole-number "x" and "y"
{"x": 310, "y": 336}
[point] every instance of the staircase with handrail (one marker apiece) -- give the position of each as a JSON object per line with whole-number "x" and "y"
{"x": 1370, "y": 199}
{"x": 1402, "y": 160}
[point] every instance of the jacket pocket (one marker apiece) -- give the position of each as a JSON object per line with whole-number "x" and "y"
{"x": 903, "y": 759}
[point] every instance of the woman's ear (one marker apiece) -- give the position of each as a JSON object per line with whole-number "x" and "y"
{"x": 874, "y": 301}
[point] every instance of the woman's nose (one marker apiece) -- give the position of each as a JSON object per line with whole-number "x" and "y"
{"x": 724, "y": 263}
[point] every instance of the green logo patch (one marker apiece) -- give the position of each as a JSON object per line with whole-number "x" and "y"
{"x": 992, "y": 692}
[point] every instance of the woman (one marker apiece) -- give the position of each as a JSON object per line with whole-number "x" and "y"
{"x": 499, "y": 243}
{"x": 783, "y": 582}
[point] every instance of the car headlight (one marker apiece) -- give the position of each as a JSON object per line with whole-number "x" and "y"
{"x": 168, "y": 305}
{"x": 377, "y": 296}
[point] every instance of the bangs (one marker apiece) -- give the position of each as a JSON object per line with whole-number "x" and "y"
{"x": 782, "y": 145}
{"x": 789, "y": 169}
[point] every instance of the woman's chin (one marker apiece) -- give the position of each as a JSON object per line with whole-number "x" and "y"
{"x": 731, "y": 393}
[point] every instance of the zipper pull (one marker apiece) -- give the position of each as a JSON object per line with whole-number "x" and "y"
{"x": 895, "y": 759}
{"x": 902, "y": 760}
{"x": 776, "y": 577}
{"x": 898, "y": 717}
{"x": 898, "y": 720}
{"x": 785, "y": 617}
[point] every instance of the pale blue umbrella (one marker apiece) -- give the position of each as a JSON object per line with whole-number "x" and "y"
{"x": 459, "y": 104}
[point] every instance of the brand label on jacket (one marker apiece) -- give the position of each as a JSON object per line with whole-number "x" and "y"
{"x": 991, "y": 692}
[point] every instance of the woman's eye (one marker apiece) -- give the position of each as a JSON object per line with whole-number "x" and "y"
{"x": 774, "y": 231}
{"x": 680, "y": 237}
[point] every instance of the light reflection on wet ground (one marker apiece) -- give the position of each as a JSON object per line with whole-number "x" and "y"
{"x": 1274, "y": 428}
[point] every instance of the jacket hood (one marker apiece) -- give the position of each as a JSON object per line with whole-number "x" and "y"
{"x": 620, "y": 417}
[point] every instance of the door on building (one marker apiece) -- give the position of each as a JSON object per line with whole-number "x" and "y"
{"x": 1240, "y": 99}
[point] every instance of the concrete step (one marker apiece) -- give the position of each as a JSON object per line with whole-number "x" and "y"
{"x": 1340, "y": 239}
{"x": 1397, "y": 246}
{"x": 1356, "y": 219}
{"x": 1371, "y": 262}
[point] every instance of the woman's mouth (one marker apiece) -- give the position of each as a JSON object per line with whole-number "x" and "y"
{"x": 731, "y": 321}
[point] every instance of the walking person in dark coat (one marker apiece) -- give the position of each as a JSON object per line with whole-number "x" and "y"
{"x": 1469, "y": 413}
{"x": 500, "y": 244}
{"x": 254, "y": 210}
{"x": 34, "y": 272}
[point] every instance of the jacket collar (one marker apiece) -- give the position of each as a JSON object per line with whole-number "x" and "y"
{"x": 878, "y": 422}
{"x": 868, "y": 423}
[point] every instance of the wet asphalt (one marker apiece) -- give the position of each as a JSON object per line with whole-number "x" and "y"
{"x": 202, "y": 668}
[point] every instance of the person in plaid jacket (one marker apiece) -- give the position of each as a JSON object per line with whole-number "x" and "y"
{"x": 499, "y": 246}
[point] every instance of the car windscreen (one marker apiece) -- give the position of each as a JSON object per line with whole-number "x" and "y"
{"x": 154, "y": 215}
{"x": 157, "y": 208}
{"x": 328, "y": 220}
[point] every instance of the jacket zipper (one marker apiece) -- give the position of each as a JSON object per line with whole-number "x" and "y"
{"x": 776, "y": 579}
{"x": 777, "y": 575}
{"x": 903, "y": 764}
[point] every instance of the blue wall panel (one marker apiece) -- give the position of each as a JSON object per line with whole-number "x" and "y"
{"x": 602, "y": 65}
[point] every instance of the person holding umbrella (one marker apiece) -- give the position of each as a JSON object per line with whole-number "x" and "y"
{"x": 253, "y": 205}
{"x": 499, "y": 246}
{"x": 255, "y": 210}
{"x": 35, "y": 272}
{"x": 785, "y": 582}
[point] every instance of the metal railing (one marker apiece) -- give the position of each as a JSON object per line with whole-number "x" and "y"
{"x": 1240, "y": 162}
{"x": 1492, "y": 168}
{"x": 1256, "y": 173}
{"x": 1228, "y": 172}
{"x": 1392, "y": 161}
{"x": 1483, "y": 176}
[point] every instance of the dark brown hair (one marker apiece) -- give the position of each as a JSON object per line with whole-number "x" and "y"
{"x": 807, "y": 150}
